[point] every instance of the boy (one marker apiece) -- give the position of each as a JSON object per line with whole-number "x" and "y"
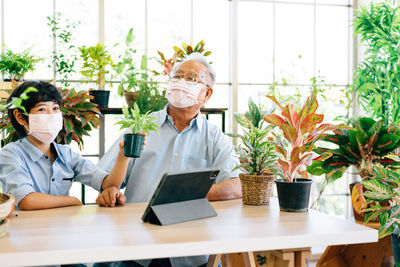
{"x": 39, "y": 172}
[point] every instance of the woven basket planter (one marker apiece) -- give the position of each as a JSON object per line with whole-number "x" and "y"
{"x": 256, "y": 189}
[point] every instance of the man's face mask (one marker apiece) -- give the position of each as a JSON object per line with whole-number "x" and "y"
{"x": 183, "y": 90}
{"x": 45, "y": 127}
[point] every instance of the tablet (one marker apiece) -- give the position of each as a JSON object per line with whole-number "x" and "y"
{"x": 181, "y": 196}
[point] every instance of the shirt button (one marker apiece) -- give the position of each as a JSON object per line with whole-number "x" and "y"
{"x": 176, "y": 155}
{"x": 53, "y": 180}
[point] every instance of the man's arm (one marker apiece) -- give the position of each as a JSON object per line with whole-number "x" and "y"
{"x": 225, "y": 190}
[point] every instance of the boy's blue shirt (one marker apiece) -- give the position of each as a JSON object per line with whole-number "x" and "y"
{"x": 25, "y": 169}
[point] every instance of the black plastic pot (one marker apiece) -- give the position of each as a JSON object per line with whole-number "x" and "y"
{"x": 100, "y": 97}
{"x": 133, "y": 145}
{"x": 396, "y": 246}
{"x": 294, "y": 196}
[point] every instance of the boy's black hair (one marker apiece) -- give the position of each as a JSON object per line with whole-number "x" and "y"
{"x": 45, "y": 92}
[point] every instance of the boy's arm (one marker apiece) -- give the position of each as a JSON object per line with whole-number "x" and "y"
{"x": 118, "y": 172}
{"x": 36, "y": 201}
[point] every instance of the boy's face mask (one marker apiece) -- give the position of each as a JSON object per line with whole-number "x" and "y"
{"x": 182, "y": 94}
{"x": 45, "y": 127}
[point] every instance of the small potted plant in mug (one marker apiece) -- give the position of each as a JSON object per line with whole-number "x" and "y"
{"x": 139, "y": 124}
{"x": 257, "y": 157}
{"x": 301, "y": 130}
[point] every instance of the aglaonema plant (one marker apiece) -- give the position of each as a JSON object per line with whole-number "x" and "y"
{"x": 383, "y": 199}
{"x": 301, "y": 129}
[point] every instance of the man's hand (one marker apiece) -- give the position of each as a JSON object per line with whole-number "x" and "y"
{"x": 110, "y": 197}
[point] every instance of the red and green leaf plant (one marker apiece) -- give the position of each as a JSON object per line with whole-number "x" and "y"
{"x": 80, "y": 116}
{"x": 301, "y": 130}
{"x": 382, "y": 188}
{"x": 364, "y": 145}
{"x": 179, "y": 55}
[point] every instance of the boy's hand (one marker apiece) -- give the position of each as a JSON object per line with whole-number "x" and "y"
{"x": 110, "y": 197}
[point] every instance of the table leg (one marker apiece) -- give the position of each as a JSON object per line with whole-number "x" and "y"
{"x": 248, "y": 258}
{"x": 213, "y": 260}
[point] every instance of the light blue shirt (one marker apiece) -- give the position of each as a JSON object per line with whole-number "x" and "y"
{"x": 199, "y": 145}
{"x": 25, "y": 169}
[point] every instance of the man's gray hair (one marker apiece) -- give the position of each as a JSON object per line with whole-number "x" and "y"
{"x": 200, "y": 58}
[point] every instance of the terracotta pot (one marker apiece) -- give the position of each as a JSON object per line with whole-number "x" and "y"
{"x": 358, "y": 202}
{"x": 130, "y": 97}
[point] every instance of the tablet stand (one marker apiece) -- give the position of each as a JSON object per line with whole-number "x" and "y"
{"x": 181, "y": 211}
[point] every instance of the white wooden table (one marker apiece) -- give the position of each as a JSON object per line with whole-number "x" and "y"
{"x": 94, "y": 234}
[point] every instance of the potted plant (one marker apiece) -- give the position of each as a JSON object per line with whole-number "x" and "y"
{"x": 364, "y": 145}
{"x": 96, "y": 64}
{"x": 15, "y": 65}
{"x": 7, "y": 205}
{"x": 378, "y": 75}
{"x": 129, "y": 75}
{"x": 138, "y": 124}
{"x": 257, "y": 157}
{"x": 179, "y": 55}
{"x": 80, "y": 116}
{"x": 383, "y": 195}
{"x": 300, "y": 130}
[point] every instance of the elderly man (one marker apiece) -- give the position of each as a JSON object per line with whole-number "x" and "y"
{"x": 186, "y": 140}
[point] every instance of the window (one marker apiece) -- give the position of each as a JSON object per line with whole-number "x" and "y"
{"x": 278, "y": 41}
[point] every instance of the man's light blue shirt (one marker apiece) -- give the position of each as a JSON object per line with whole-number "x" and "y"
{"x": 199, "y": 145}
{"x": 25, "y": 169}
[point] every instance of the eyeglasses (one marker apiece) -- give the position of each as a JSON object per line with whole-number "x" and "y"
{"x": 190, "y": 77}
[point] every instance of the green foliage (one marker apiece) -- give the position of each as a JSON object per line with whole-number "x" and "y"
{"x": 301, "y": 130}
{"x": 137, "y": 122}
{"x": 6, "y": 128}
{"x": 383, "y": 187}
{"x": 65, "y": 55}
{"x": 377, "y": 78}
{"x": 368, "y": 143}
{"x": 256, "y": 152}
{"x": 96, "y": 61}
{"x": 15, "y": 65}
{"x": 150, "y": 96}
{"x": 125, "y": 69}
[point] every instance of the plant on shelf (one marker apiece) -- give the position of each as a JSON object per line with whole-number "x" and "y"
{"x": 383, "y": 197}
{"x": 136, "y": 84}
{"x": 79, "y": 118}
{"x": 138, "y": 124}
{"x": 257, "y": 157}
{"x": 378, "y": 76}
{"x": 179, "y": 55}
{"x": 16, "y": 65}
{"x": 364, "y": 145}
{"x": 301, "y": 130}
{"x": 65, "y": 55}
{"x": 126, "y": 70}
{"x": 97, "y": 63}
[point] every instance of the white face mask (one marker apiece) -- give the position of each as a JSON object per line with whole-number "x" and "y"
{"x": 45, "y": 127}
{"x": 182, "y": 94}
